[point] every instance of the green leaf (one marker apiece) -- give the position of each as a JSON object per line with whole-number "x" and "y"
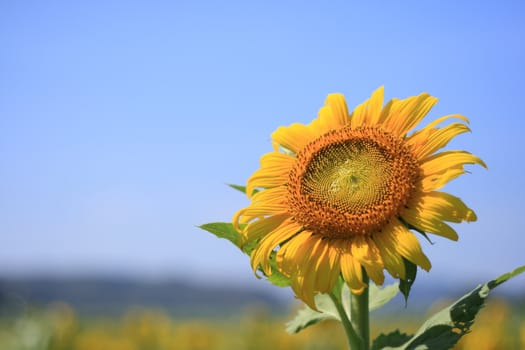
{"x": 227, "y": 231}
{"x": 445, "y": 328}
{"x": 494, "y": 283}
{"x": 277, "y": 278}
{"x": 223, "y": 230}
{"x": 248, "y": 248}
{"x": 395, "y": 338}
{"x": 242, "y": 188}
{"x": 327, "y": 310}
{"x": 307, "y": 317}
{"x": 410, "y": 277}
{"x": 238, "y": 188}
{"x": 378, "y": 297}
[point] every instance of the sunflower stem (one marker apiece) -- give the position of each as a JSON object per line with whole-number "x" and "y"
{"x": 353, "y": 339}
{"x": 361, "y": 316}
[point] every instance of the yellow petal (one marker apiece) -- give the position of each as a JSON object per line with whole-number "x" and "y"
{"x": 327, "y": 267}
{"x": 311, "y": 263}
{"x": 255, "y": 211}
{"x": 392, "y": 260}
{"x": 397, "y": 116}
{"x": 302, "y": 277}
{"x": 407, "y": 113}
{"x": 366, "y": 253}
{"x": 268, "y": 202}
{"x": 312, "y": 254}
{"x": 407, "y": 245}
{"x": 274, "y": 171}
{"x": 351, "y": 270}
{"x": 446, "y": 117}
{"x": 424, "y": 144}
{"x": 325, "y": 121}
{"x": 375, "y": 106}
{"x": 423, "y": 106}
{"x": 436, "y": 181}
{"x": 420, "y": 135}
{"x": 441, "y": 162}
{"x": 261, "y": 254}
{"x": 442, "y": 206}
{"x": 385, "y": 113}
{"x": 293, "y": 137}
{"x": 337, "y": 103}
{"x": 359, "y": 115}
{"x": 287, "y": 256}
{"x": 334, "y": 265}
{"x": 369, "y": 112}
{"x": 260, "y": 228}
{"x": 428, "y": 223}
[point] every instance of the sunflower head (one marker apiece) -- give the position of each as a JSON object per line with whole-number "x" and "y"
{"x": 339, "y": 196}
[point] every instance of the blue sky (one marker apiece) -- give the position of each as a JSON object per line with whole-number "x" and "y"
{"x": 120, "y": 122}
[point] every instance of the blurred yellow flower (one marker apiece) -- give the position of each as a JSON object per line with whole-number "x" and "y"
{"x": 342, "y": 193}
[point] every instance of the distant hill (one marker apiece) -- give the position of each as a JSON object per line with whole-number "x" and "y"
{"x": 114, "y": 296}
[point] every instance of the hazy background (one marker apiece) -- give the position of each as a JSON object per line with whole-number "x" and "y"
{"x": 121, "y": 121}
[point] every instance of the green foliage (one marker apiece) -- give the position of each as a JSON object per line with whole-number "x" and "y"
{"x": 395, "y": 338}
{"x": 59, "y": 327}
{"x": 380, "y": 296}
{"x": 277, "y": 278}
{"x": 445, "y": 328}
{"x": 410, "y": 277}
{"x": 227, "y": 231}
{"x": 327, "y": 309}
{"x": 238, "y": 188}
{"x": 307, "y": 317}
{"x": 494, "y": 283}
{"x": 223, "y": 230}
{"x": 241, "y": 188}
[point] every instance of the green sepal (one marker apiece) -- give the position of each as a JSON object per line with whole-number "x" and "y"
{"x": 410, "y": 277}
{"x": 445, "y": 328}
{"x": 395, "y": 338}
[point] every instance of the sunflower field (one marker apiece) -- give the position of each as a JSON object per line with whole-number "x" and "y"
{"x": 500, "y": 325}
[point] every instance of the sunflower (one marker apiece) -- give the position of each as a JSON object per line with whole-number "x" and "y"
{"x": 342, "y": 195}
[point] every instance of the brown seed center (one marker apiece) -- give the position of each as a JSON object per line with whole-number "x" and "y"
{"x": 351, "y": 181}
